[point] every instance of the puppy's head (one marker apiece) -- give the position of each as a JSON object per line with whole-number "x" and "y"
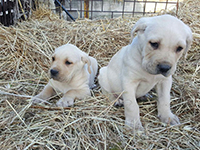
{"x": 68, "y": 61}
{"x": 162, "y": 40}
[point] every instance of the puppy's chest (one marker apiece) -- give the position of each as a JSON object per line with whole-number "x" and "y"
{"x": 61, "y": 87}
{"x": 144, "y": 87}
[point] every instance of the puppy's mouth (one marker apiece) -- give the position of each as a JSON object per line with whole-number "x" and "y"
{"x": 164, "y": 69}
{"x": 54, "y": 74}
{"x": 160, "y": 68}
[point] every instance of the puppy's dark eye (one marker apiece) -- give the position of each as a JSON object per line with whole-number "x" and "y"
{"x": 68, "y": 62}
{"x": 154, "y": 45}
{"x": 179, "y": 49}
{"x": 53, "y": 58}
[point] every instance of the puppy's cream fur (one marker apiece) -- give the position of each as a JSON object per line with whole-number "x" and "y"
{"x": 150, "y": 60}
{"x": 72, "y": 73}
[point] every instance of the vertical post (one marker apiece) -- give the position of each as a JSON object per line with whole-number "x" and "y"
{"x": 134, "y": 3}
{"x": 177, "y": 6}
{"x": 123, "y": 8}
{"x": 91, "y": 9}
{"x": 166, "y": 5}
{"x": 102, "y": 5}
{"x": 81, "y": 10}
{"x": 144, "y": 10}
{"x": 70, "y": 5}
{"x": 86, "y": 8}
{"x": 16, "y": 13}
{"x": 155, "y": 7}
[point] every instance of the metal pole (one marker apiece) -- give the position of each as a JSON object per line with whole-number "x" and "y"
{"x": 123, "y": 8}
{"x": 65, "y": 10}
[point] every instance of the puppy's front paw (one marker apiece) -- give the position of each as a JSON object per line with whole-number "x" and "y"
{"x": 135, "y": 125}
{"x": 65, "y": 102}
{"x": 39, "y": 99}
{"x": 169, "y": 119}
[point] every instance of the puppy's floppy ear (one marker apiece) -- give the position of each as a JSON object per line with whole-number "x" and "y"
{"x": 86, "y": 60}
{"x": 188, "y": 39}
{"x": 139, "y": 26}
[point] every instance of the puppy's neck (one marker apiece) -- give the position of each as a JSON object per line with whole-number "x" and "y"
{"x": 136, "y": 44}
{"x": 136, "y": 50}
{"x": 80, "y": 77}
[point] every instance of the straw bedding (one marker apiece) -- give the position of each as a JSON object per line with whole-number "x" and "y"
{"x": 93, "y": 123}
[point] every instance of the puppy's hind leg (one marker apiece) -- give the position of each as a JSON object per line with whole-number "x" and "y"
{"x": 103, "y": 80}
{"x": 104, "y": 83}
{"x": 106, "y": 89}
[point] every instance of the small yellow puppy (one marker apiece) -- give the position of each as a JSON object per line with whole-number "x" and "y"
{"x": 150, "y": 60}
{"x": 72, "y": 72}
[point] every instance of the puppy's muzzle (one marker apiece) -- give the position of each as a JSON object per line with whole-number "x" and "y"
{"x": 54, "y": 73}
{"x": 163, "y": 68}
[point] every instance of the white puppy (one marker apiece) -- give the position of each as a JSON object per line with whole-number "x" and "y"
{"x": 150, "y": 60}
{"x": 72, "y": 72}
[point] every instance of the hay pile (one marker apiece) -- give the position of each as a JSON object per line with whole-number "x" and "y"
{"x": 93, "y": 123}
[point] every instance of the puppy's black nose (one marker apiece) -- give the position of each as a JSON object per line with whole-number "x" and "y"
{"x": 54, "y": 72}
{"x": 163, "y": 68}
